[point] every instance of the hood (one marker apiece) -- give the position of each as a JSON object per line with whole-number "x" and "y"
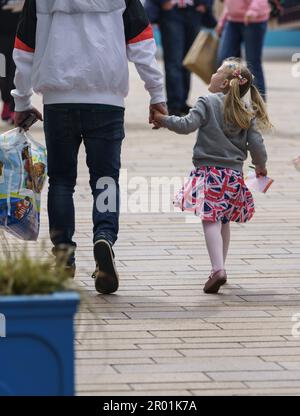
{"x": 78, "y": 6}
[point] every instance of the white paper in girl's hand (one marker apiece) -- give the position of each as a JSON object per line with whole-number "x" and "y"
{"x": 260, "y": 184}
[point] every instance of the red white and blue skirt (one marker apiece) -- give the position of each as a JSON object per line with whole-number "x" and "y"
{"x": 216, "y": 194}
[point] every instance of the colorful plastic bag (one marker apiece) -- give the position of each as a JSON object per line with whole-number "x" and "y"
{"x": 23, "y": 171}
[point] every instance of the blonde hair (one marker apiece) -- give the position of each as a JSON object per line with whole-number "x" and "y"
{"x": 236, "y": 111}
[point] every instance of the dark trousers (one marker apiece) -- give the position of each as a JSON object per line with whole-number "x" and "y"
{"x": 179, "y": 28}
{"x": 252, "y": 35}
{"x": 7, "y": 83}
{"x": 101, "y": 128}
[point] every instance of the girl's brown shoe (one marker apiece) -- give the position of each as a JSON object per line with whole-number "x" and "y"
{"x": 215, "y": 281}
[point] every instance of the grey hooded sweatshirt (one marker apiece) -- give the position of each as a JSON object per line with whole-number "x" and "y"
{"x": 217, "y": 145}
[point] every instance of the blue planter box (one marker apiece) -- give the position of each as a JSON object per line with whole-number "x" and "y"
{"x": 37, "y": 354}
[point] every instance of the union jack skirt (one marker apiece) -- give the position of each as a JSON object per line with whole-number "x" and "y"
{"x": 216, "y": 194}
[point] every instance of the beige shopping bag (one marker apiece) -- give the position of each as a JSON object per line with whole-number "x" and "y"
{"x": 202, "y": 56}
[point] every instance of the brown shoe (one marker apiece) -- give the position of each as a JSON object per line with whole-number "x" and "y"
{"x": 215, "y": 281}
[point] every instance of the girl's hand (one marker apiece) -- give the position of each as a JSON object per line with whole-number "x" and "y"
{"x": 160, "y": 108}
{"x": 260, "y": 171}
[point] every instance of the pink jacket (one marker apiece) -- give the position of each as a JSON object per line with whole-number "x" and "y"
{"x": 235, "y": 10}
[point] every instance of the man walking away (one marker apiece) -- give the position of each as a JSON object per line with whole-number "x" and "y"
{"x": 75, "y": 53}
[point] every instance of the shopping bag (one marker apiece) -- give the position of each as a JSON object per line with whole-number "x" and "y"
{"x": 202, "y": 56}
{"x": 23, "y": 170}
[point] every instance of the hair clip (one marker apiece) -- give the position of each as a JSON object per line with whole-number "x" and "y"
{"x": 231, "y": 66}
{"x": 237, "y": 74}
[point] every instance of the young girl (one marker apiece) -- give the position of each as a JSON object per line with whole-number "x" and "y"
{"x": 228, "y": 128}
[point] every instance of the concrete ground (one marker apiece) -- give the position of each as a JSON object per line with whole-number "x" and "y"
{"x": 160, "y": 334}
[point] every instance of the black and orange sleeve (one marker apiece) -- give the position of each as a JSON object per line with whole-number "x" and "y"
{"x": 26, "y": 32}
{"x": 136, "y": 23}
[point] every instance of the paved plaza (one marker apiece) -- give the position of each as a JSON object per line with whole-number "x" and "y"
{"x": 160, "y": 334}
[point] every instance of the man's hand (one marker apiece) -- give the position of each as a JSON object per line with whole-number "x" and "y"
{"x": 168, "y": 5}
{"x": 260, "y": 171}
{"x": 20, "y": 116}
{"x": 160, "y": 108}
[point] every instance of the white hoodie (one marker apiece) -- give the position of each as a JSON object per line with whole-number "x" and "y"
{"x": 77, "y": 51}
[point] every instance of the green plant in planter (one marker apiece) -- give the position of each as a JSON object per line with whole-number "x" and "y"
{"x": 23, "y": 274}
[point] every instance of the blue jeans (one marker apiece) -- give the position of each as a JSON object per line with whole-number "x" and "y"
{"x": 252, "y": 36}
{"x": 101, "y": 128}
{"x": 179, "y": 28}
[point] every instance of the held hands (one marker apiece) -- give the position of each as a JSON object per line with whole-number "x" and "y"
{"x": 158, "y": 120}
{"x": 156, "y": 113}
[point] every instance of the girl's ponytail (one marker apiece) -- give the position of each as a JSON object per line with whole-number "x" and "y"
{"x": 259, "y": 108}
{"x": 235, "y": 110}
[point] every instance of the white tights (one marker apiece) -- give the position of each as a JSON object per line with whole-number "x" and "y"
{"x": 217, "y": 237}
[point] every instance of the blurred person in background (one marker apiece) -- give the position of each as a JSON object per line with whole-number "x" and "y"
{"x": 180, "y": 21}
{"x": 245, "y": 21}
{"x": 9, "y": 16}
